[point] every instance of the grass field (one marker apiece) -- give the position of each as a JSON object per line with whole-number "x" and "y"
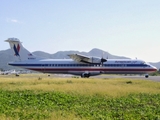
{"x": 31, "y": 97}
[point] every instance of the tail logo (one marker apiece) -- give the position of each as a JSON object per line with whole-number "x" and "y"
{"x": 16, "y": 49}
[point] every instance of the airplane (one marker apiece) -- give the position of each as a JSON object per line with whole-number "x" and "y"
{"x": 14, "y": 72}
{"x": 9, "y": 72}
{"x": 84, "y": 66}
{"x": 5, "y": 72}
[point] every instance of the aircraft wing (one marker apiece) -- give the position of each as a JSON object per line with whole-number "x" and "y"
{"x": 80, "y": 58}
{"x": 87, "y": 59}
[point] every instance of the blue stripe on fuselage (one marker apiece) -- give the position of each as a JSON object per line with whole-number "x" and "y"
{"x": 80, "y": 65}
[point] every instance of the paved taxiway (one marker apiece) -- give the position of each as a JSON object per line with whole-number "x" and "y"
{"x": 153, "y": 78}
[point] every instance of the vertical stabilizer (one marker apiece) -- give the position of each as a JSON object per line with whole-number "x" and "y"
{"x": 19, "y": 52}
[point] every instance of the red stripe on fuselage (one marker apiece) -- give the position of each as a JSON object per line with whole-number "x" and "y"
{"x": 87, "y": 69}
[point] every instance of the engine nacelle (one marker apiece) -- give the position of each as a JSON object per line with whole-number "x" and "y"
{"x": 94, "y": 60}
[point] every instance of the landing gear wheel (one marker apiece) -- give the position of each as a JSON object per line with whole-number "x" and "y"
{"x": 146, "y": 76}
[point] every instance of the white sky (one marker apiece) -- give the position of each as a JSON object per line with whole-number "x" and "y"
{"x": 128, "y": 28}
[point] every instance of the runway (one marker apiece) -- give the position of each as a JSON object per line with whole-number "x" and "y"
{"x": 138, "y": 77}
{"x": 153, "y": 78}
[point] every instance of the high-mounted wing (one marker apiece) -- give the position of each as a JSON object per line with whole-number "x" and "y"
{"x": 87, "y": 59}
{"x": 79, "y": 58}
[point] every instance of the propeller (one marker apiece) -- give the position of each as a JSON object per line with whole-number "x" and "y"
{"x": 103, "y": 59}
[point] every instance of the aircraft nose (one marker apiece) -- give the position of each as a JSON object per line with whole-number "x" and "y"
{"x": 155, "y": 69}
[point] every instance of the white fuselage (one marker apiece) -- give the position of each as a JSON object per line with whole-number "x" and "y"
{"x": 68, "y": 66}
{"x": 85, "y": 66}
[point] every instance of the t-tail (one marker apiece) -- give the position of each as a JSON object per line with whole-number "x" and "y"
{"x": 19, "y": 52}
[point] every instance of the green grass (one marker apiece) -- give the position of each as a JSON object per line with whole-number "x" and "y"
{"x": 26, "y": 97}
{"x": 42, "y": 105}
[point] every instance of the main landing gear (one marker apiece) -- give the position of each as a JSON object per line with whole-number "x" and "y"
{"x": 85, "y": 75}
{"x": 146, "y": 75}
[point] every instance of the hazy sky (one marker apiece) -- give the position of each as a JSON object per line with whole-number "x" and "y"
{"x": 128, "y": 28}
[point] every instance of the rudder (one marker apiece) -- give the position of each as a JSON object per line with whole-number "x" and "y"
{"x": 19, "y": 52}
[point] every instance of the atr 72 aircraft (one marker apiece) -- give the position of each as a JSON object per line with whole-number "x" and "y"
{"x": 85, "y": 66}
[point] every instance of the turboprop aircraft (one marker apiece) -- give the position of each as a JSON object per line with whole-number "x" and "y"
{"x": 9, "y": 72}
{"x": 84, "y": 66}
